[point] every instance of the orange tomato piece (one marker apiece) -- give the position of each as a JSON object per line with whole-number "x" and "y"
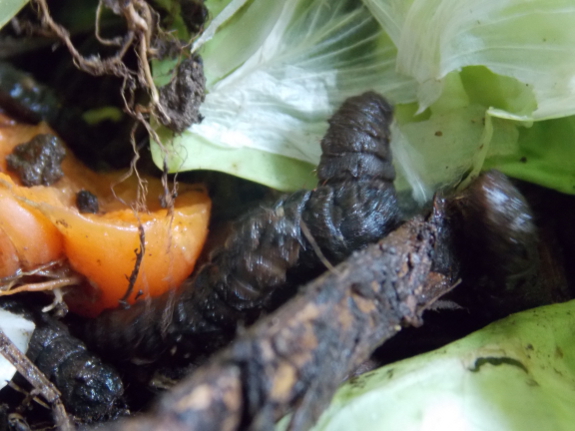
{"x": 35, "y": 240}
{"x": 41, "y": 224}
{"x": 9, "y": 261}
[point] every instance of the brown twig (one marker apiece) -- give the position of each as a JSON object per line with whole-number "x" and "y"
{"x": 142, "y": 26}
{"x": 296, "y": 357}
{"x": 38, "y": 380}
{"x": 136, "y": 271}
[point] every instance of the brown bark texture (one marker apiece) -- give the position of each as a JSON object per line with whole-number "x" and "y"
{"x": 295, "y": 358}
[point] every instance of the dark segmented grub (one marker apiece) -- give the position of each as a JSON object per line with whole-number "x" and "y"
{"x": 90, "y": 389}
{"x": 500, "y": 221}
{"x": 353, "y": 205}
{"x": 506, "y": 266}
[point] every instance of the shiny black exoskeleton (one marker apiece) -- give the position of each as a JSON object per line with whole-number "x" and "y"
{"x": 499, "y": 244}
{"x": 91, "y": 389}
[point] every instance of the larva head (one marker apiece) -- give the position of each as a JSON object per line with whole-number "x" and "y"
{"x": 91, "y": 389}
{"x": 356, "y": 144}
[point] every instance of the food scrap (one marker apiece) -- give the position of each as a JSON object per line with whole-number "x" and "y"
{"x": 41, "y": 226}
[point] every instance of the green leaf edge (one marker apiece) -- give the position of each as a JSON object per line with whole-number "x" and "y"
{"x": 278, "y": 172}
{"x": 9, "y": 8}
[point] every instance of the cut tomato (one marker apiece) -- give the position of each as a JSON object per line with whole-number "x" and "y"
{"x": 41, "y": 224}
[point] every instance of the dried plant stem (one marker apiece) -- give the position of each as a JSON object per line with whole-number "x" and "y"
{"x": 38, "y": 380}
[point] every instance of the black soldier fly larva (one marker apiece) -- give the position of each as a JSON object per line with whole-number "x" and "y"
{"x": 353, "y": 205}
{"x": 90, "y": 389}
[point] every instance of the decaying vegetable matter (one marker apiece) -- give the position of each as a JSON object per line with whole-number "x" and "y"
{"x": 47, "y": 239}
{"x": 287, "y": 334}
{"x": 353, "y": 205}
{"x": 295, "y": 358}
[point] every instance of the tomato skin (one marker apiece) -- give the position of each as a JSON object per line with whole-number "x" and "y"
{"x": 28, "y": 238}
{"x": 9, "y": 262}
{"x": 104, "y": 248}
{"x": 40, "y": 224}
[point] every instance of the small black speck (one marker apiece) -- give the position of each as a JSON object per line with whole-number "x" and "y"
{"x": 523, "y": 159}
{"x": 62, "y": 222}
{"x": 87, "y": 202}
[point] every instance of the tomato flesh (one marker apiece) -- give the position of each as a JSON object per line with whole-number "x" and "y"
{"x": 41, "y": 224}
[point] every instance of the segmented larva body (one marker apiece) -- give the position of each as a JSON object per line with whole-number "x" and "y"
{"x": 353, "y": 205}
{"x": 91, "y": 389}
{"x": 356, "y": 145}
{"x": 500, "y": 222}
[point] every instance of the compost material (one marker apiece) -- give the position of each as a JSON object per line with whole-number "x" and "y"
{"x": 297, "y": 356}
{"x": 353, "y": 205}
{"x": 486, "y": 241}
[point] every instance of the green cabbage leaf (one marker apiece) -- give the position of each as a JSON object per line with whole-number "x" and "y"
{"x": 9, "y": 8}
{"x": 276, "y": 71}
{"x": 476, "y": 85}
{"x": 516, "y": 59}
{"x": 517, "y": 374}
